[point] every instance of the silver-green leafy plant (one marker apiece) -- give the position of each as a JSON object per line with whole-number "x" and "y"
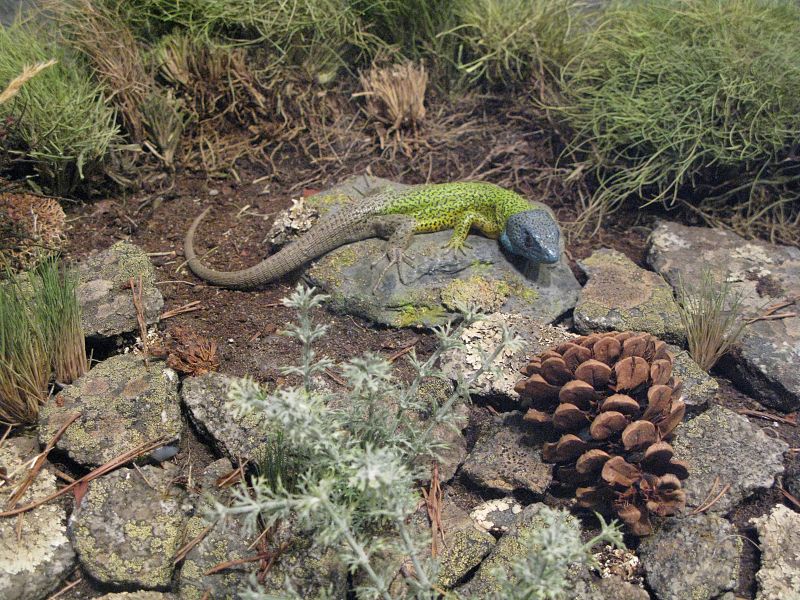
{"x": 539, "y": 571}
{"x": 363, "y": 454}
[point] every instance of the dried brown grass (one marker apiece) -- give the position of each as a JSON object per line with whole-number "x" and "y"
{"x": 29, "y": 72}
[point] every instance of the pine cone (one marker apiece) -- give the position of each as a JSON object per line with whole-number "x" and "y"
{"x": 31, "y": 228}
{"x": 613, "y": 399}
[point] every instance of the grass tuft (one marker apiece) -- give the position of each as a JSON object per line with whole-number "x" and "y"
{"x": 24, "y": 363}
{"x": 58, "y": 312}
{"x": 63, "y": 127}
{"x": 711, "y": 314}
{"x": 689, "y": 101}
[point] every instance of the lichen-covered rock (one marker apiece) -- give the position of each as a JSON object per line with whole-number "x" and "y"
{"x": 129, "y": 526}
{"x": 586, "y": 587}
{"x": 463, "y": 548}
{"x": 483, "y": 337}
{"x": 764, "y": 274}
{"x": 435, "y": 392}
{"x": 104, "y": 291}
{"x": 122, "y": 404}
{"x": 496, "y": 516}
{"x": 620, "y": 296}
{"x": 224, "y": 542}
{"x": 724, "y": 447}
{"x": 779, "y": 541}
{"x": 237, "y": 437}
{"x": 714, "y": 548}
{"x": 138, "y": 596}
{"x": 439, "y": 280}
{"x": 699, "y": 388}
{"x": 505, "y": 459}
{"x": 35, "y": 553}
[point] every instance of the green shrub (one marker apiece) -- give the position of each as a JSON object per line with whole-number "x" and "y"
{"x": 510, "y": 41}
{"x": 62, "y": 124}
{"x": 688, "y": 100}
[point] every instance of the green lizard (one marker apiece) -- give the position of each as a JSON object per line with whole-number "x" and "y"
{"x": 527, "y": 229}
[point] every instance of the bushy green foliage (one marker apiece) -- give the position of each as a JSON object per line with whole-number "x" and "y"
{"x": 511, "y": 41}
{"x": 61, "y": 123}
{"x": 686, "y": 99}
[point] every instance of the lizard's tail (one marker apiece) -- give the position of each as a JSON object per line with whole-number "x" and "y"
{"x": 267, "y": 270}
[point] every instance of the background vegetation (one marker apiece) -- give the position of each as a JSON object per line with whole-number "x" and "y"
{"x": 686, "y": 103}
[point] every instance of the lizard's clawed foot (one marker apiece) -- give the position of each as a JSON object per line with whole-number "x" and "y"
{"x": 395, "y": 257}
{"x": 456, "y": 248}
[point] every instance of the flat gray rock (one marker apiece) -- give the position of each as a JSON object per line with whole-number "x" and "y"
{"x": 138, "y": 596}
{"x": 484, "y": 336}
{"x": 723, "y": 446}
{"x": 779, "y": 541}
{"x": 35, "y": 553}
{"x": 129, "y": 526}
{"x": 224, "y": 542}
{"x": 620, "y": 296}
{"x": 439, "y": 280}
{"x": 505, "y": 460}
{"x": 693, "y": 557}
{"x": 205, "y": 397}
{"x": 699, "y": 388}
{"x": 765, "y": 274}
{"x": 122, "y": 403}
{"x": 104, "y": 291}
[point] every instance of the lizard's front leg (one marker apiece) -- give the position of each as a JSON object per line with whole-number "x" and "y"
{"x": 399, "y": 229}
{"x": 464, "y": 223}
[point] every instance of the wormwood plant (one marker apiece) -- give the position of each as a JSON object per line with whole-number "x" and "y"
{"x": 549, "y": 552}
{"x": 363, "y": 454}
{"x": 690, "y": 101}
{"x": 711, "y": 314}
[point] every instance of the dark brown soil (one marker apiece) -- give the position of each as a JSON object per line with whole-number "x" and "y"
{"x": 245, "y": 325}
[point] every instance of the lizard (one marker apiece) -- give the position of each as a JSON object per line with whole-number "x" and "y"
{"x": 526, "y": 229}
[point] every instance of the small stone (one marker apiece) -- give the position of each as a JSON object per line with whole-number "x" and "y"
{"x": 104, "y": 291}
{"x": 438, "y": 280}
{"x": 435, "y": 392}
{"x": 122, "y": 404}
{"x": 724, "y": 447}
{"x": 764, "y": 274}
{"x": 714, "y": 548}
{"x": 620, "y": 296}
{"x": 699, "y": 388}
{"x": 496, "y": 516}
{"x": 779, "y": 541}
{"x": 129, "y": 526}
{"x": 205, "y": 397}
{"x": 35, "y": 553}
{"x": 504, "y": 460}
{"x": 484, "y": 336}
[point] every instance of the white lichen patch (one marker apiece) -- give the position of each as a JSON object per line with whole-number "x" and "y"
{"x": 291, "y": 222}
{"x": 753, "y": 253}
{"x": 486, "y": 515}
{"x": 779, "y": 540}
{"x": 619, "y": 562}
{"x": 35, "y": 552}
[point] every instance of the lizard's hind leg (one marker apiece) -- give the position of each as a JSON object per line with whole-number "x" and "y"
{"x": 400, "y": 231}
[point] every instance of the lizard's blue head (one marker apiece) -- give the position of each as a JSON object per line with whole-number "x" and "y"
{"x": 533, "y": 234}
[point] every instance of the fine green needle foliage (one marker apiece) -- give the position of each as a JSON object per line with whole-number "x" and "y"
{"x": 360, "y": 455}
{"x": 511, "y": 41}
{"x": 539, "y": 572}
{"x": 62, "y": 125}
{"x": 691, "y": 101}
{"x": 24, "y": 363}
{"x": 711, "y": 314}
{"x": 57, "y": 310}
